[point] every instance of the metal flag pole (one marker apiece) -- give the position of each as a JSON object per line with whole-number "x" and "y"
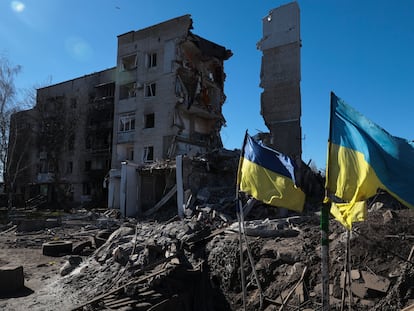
{"x": 325, "y": 256}
{"x": 325, "y": 229}
{"x": 241, "y": 260}
{"x": 239, "y": 219}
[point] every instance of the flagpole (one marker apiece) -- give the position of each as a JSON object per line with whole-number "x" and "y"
{"x": 325, "y": 256}
{"x": 239, "y": 219}
{"x": 241, "y": 259}
{"x": 348, "y": 251}
{"x": 325, "y": 230}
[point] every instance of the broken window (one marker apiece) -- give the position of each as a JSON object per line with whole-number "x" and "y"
{"x": 127, "y": 122}
{"x": 88, "y": 166}
{"x": 43, "y": 166}
{"x": 105, "y": 90}
{"x": 128, "y": 90}
{"x": 129, "y": 62}
{"x": 148, "y": 154}
{"x": 71, "y": 142}
{"x": 69, "y": 168}
{"x": 150, "y": 89}
{"x": 149, "y": 120}
{"x": 51, "y": 167}
{"x": 88, "y": 142}
{"x": 130, "y": 153}
{"x": 73, "y": 103}
{"x": 151, "y": 60}
{"x": 86, "y": 188}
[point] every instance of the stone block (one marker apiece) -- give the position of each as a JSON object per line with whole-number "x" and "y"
{"x": 11, "y": 278}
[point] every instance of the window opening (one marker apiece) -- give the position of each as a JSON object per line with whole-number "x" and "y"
{"x": 127, "y": 123}
{"x": 129, "y": 62}
{"x": 151, "y": 60}
{"x": 150, "y": 89}
{"x": 149, "y": 120}
{"x": 148, "y": 154}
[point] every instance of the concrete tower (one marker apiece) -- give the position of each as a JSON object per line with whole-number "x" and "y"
{"x": 280, "y": 78}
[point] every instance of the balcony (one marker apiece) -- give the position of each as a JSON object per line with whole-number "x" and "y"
{"x": 125, "y": 137}
{"x": 44, "y": 178}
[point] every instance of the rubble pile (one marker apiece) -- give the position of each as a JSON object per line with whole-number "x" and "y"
{"x": 169, "y": 252}
{"x": 194, "y": 263}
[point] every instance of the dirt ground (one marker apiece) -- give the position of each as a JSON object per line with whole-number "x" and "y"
{"x": 43, "y": 290}
{"x": 206, "y": 273}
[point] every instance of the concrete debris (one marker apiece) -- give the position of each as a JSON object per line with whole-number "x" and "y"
{"x": 193, "y": 263}
{"x": 375, "y": 282}
{"x": 70, "y": 265}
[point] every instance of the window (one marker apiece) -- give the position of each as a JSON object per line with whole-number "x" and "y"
{"x": 150, "y": 89}
{"x": 71, "y": 142}
{"x": 51, "y": 167}
{"x": 88, "y": 166}
{"x": 127, "y": 122}
{"x": 86, "y": 188}
{"x": 130, "y": 153}
{"x": 129, "y": 62}
{"x": 149, "y": 120}
{"x": 148, "y": 154}
{"x": 69, "y": 168}
{"x": 43, "y": 166}
{"x": 73, "y": 103}
{"x": 128, "y": 90}
{"x": 151, "y": 60}
{"x": 88, "y": 142}
{"x": 105, "y": 90}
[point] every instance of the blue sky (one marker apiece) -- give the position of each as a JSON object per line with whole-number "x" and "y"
{"x": 361, "y": 50}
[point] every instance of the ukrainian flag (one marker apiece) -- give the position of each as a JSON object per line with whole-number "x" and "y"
{"x": 268, "y": 176}
{"x": 362, "y": 158}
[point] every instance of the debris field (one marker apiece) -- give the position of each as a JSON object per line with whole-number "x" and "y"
{"x": 194, "y": 263}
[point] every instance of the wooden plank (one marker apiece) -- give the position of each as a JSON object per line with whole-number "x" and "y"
{"x": 135, "y": 281}
{"x": 121, "y": 302}
{"x": 161, "y": 202}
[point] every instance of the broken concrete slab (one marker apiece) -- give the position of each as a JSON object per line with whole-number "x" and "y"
{"x": 359, "y": 289}
{"x": 388, "y": 216}
{"x": 375, "y": 282}
{"x": 70, "y": 265}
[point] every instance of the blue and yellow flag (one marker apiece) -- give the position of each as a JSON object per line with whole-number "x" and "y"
{"x": 268, "y": 176}
{"x": 362, "y": 158}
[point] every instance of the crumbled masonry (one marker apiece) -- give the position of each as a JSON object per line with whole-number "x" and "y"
{"x": 193, "y": 263}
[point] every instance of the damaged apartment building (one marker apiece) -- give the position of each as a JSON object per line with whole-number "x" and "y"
{"x": 126, "y": 134}
{"x": 168, "y": 104}
{"x": 60, "y": 150}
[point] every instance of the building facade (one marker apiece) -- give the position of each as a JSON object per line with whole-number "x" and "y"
{"x": 113, "y": 137}
{"x": 62, "y": 147}
{"x": 168, "y": 102}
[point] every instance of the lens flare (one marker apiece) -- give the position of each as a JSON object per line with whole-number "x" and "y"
{"x": 17, "y": 6}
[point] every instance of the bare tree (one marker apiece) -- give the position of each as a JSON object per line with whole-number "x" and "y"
{"x": 8, "y": 106}
{"x": 15, "y": 128}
